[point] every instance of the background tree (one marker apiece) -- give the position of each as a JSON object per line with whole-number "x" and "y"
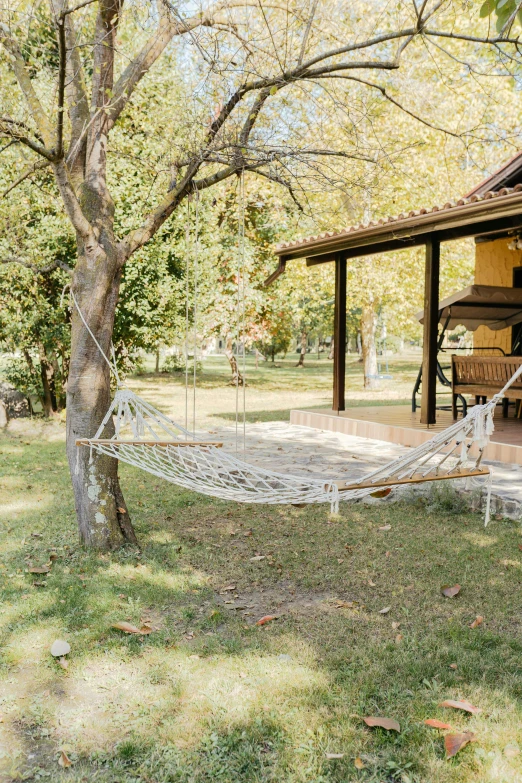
{"x": 248, "y": 97}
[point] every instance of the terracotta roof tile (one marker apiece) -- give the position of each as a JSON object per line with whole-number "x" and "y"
{"x": 449, "y": 205}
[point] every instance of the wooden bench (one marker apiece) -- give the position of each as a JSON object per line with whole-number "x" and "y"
{"x": 484, "y": 376}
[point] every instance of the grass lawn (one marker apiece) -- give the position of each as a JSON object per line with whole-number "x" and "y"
{"x": 208, "y": 695}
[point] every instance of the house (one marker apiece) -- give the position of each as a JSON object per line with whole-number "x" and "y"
{"x": 492, "y": 214}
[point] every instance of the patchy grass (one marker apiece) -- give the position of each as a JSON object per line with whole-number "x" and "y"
{"x": 273, "y": 389}
{"x": 209, "y": 695}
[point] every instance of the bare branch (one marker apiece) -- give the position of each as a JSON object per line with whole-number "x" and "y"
{"x": 472, "y": 38}
{"x": 62, "y": 51}
{"x": 41, "y": 270}
{"x": 307, "y": 32}
{"x": 41, "y": 164}
{"x": 24, "y": 80}
{"x": 67, "y": 11}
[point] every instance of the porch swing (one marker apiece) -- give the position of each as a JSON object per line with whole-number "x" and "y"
{"x": 147, "y": 439}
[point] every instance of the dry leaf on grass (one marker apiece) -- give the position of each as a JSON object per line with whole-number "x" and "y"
{"x": 227, "y": 588}
{"x": 511, "y": 750}
{"x": 450, "y": 591}
{"x": 257, "y": 558}
{"x": 455, "y": 742}
{"x": 129, "y": 628}
{"x": 121, "y": 510}
{"x": 267, "y": 619}
{"x": 385, "y": 610}
{"x": 59, "y": 648}
{"x": 334, "y": 755}
{"x": 343, "y": 604}
{"x": 64, "y": 760}
{"x": 359, "y": 763}
{"x": 40, "y": 570}
{"x": 385, "y": 528}
{"x": 461, "y": 705}
{"x": 381, "y": 493}
{"x": 437, "y": 724}
{"x": 399, "y": 638}
{"x": 372, "y": 584}
{"x": 453, "y": 666}
{"x": 384, "y": 723}
{"x": 477, "y": 621}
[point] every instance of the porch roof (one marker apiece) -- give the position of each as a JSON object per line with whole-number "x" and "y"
{"x": 494, "y": 212}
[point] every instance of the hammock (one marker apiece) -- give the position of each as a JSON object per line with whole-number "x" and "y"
{"x": 165, "y": 449}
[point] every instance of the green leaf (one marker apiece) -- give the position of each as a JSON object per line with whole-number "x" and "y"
{"x": 487, "y": 8}
{"x": 273, "y": 90}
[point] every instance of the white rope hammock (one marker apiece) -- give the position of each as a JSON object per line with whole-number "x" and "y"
{"x": 163, "y": 448}
{"x": 157, "y": 446}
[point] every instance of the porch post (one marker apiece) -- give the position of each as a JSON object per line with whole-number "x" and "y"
{"x": 339, "y": 356}
{"x": 431, "y": 320}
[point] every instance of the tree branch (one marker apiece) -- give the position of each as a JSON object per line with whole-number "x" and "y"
{"x": 41, "y": 270}
{"x": 41, "y": 164}
{"x": 35, "y": 107}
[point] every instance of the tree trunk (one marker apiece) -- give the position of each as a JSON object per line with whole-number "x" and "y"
{"x": 103, "y": 519}
{"x": 331, "y": 352}
{"x": 304, "y": 343}
{"x": 156, "y": 370}
{"x": 369, "y": 349}
{"x": 237, "y": 379}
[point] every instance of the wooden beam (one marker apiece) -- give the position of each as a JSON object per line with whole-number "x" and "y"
{"x": 276, "y": 273}
{"x": 417, "y": 478}
{"x": 339, "y": 357}
{"x": 431, "y": 324}
{"x": 180, "y": 443}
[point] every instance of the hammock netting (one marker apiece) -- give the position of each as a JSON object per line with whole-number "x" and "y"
{"x": 165, "y": 449}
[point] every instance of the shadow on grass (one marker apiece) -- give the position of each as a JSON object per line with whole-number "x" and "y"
{"x": 211, "y": 696}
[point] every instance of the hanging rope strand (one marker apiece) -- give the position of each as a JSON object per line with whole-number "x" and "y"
{"x": 196, "y": 254}
{"x": 187, "y": 286}
{"x": 112, "y": 365}
{"x": 243, "y": 299}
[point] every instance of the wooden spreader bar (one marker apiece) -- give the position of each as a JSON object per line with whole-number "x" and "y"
{"x": 180, "y": 443}
{"x": 417, "y": 478}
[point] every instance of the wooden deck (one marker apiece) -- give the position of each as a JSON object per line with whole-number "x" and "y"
{"x": 397, "y": 424}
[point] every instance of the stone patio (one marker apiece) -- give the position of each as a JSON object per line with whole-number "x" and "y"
{"x": 304, "y": 451}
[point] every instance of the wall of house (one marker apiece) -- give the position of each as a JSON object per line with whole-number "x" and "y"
{"x": 494, "y": 264}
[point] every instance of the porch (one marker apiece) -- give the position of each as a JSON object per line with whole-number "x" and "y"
{"x": 398, "y": 424}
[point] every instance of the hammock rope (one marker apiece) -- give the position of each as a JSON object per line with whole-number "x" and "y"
{"x": 161, "y": 447}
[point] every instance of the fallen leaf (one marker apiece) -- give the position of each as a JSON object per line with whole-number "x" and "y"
{"x": 40, "y": 570}
{"x": 53, "y": 556}
{"x": 334, "y": 755}
{"x": 436, "y": 724}
{"x": 121, "y": 510}
{"x": 385, "y": 610}
{"x": 257, "y": 558}
{"x": 477, "y": 621}
{"x": 381, "y": 493}
{"x": 129, "y": 628}
{"x": 450, "y": 591}
{"x": 455, "y": 742}
{"x": 359, "y": 763}
{"x": 461, "y": 705}
{"x": 372, "y": 584}
{"x": 453, "y": 666}
{"x": 267, "y": 619}
{"x": 399, "y": 638}
{"x": 384, "y": 723}
{"x": 64, "y": 760}
{"x": 60, "y": 648}
{"x": 344, "y": 604}
{"x": 395, "y": 625}
{"x": 520, "y": 547}
{"x": 384, "y": 528}
{"x": 64, "y": 663}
